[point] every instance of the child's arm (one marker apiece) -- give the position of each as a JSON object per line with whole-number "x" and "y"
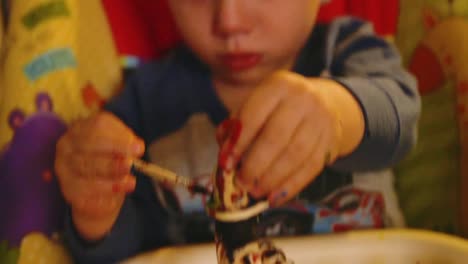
{"x": 370, "y": 68}
{"x": 363, "y": 116}
{"x": 141, "y": 220}
{"x": 140, "y": 226}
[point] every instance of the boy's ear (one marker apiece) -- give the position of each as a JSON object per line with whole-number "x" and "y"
{"x": 430, "y": 18}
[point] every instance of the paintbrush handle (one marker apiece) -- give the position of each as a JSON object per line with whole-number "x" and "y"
{"x": 166, "y": 176}
{"x": 161, "y": 174}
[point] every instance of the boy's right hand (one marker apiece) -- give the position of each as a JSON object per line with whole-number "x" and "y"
{"x": 93, "y": 163}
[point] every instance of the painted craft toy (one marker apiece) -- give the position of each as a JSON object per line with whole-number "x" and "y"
{"x": 236, "y": 213}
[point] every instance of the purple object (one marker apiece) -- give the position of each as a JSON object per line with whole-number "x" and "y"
{"x": 30, "y": 199}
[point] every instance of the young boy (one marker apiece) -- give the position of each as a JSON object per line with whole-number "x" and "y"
{"x": 316, "y": 103}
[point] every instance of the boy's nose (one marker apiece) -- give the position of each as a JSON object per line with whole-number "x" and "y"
{"x": 231, "y": 18}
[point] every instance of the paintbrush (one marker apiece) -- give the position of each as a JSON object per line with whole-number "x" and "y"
{"x": 167, "y": 176}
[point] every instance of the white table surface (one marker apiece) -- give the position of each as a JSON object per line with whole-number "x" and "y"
{"x": 397, "y": 246}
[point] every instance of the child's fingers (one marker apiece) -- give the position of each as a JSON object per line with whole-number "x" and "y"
{"x": 255, "y": 112}
{"x": 75, "y": 187}
{"x": 104, "y": 166}
{"x": 304, "y": 175}
{"x": 103, "y": 152}
{"x": 294, "y": 183}
{"x": 303, "y": 144}
{"x": 272, "y": 142}
{"x": 80, "y": 193}
{"x": 98, "y": 206}
{"x": 227, "y": 136}
{"x": 92, "y": 187}
{"x": 104, "y": 133}
{"x": 128, "y": 145}
{"x": 127, "y": 184}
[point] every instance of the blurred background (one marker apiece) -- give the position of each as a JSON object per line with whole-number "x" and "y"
{"x": 62, "y": 59}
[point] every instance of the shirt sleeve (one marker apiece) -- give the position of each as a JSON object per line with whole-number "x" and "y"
{"x": 126, "y": 104}
{"x": 371, "y": 68}
{"x": 123, "y": 240}
{"x": 140, "y": 226}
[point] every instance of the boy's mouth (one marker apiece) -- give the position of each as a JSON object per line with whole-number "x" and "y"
{"x": 240, "y": 61}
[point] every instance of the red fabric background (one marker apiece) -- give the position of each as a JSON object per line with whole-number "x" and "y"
{"x": 382, "y": 13}
{"x": 145, "y": 29}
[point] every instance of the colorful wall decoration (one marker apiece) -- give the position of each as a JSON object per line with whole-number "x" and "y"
{"x": 433, "y": 37}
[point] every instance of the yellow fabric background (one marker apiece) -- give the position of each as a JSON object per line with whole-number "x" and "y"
{"x": 74, "y": 28}
{"x": 84, "y": 32}
{"x": 1, "y": 28}
{"x": 429, "y": 180}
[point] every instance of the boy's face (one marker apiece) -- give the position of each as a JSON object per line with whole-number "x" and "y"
{"x": 245, "y": 40}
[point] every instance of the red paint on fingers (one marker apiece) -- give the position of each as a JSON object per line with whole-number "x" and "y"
{"x": 228, "y": 136}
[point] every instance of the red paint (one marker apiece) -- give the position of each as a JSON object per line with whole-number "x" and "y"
{"x": 220, "y": 183}
{"x": 229, "y": 133}
{"x": 228, "y": 128}
{"x": 255, "y": 257}
{"x": 430, "y": 19}
{"x": 448, "y": 60}
{"x": 325, "y": 213}
{"x": 365, "y": 201}
{"x": 461, "y": 109}
{"x": 91, "y": 98}
{"x": 116, "y": 188}
{"x": 427, "y": 69}
{"x": 462, "y": 87}
{"x": 342, "y": 227}
{"x": 47, "y": 176}
{"x": 236, "y": 196}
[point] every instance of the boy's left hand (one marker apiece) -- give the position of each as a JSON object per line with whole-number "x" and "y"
{"x": 291, "y": 129}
